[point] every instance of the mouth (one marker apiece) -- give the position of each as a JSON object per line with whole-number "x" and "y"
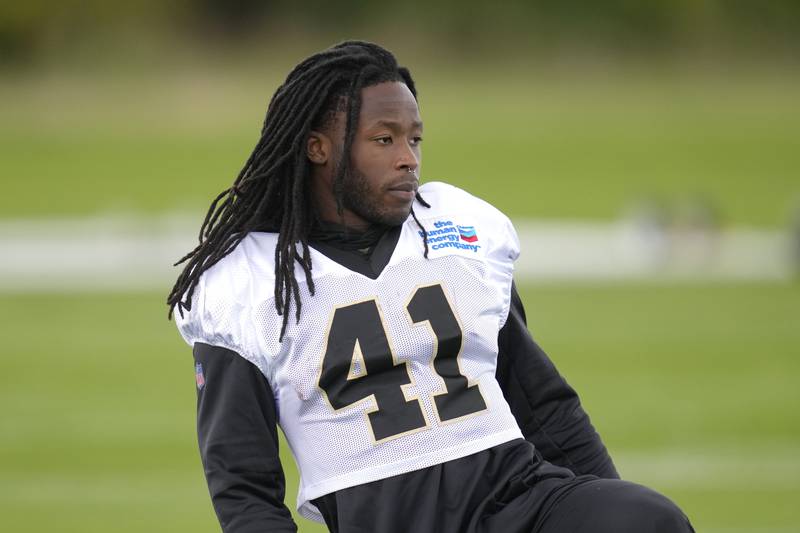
{"x": 404, "y": 191}
{"x": 405, "y": 186}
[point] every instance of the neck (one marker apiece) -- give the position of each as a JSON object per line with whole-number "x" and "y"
{"x": 345, "y": 236}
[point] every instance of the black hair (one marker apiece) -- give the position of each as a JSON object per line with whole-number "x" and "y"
{"x": 271, "y": 193}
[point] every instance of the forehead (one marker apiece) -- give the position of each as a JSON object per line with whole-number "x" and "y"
{"x": 388, "y": 101}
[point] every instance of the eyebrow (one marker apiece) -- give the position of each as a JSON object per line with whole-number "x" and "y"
{"x": 395, "y": 125}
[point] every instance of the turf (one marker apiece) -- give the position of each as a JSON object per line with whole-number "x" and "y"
{"x": 566, "y": 148}
{"x": 692, "y": 387}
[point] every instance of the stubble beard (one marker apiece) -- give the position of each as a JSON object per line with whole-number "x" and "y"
{"x": 360, "y": 198}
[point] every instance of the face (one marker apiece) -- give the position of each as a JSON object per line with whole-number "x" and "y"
{"x": 385, "y": 159}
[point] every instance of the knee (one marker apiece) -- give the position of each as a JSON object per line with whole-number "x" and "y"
{"x": 615, "y": 506}
{"x": 649, "y": 511}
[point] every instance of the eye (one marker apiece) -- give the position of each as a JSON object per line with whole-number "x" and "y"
{"x": 416, "y": 140}
{"x": 384, "y": 140}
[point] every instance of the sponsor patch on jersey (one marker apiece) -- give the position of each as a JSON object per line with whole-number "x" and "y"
{"x": 445, "y": 234}
{"x": 467, "y": 233}
{"x": 199, "y": 378}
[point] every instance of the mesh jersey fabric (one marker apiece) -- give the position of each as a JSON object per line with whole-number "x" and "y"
{"x": 470, "y": 263}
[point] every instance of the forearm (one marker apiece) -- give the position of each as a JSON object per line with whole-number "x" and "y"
{"x": 546, "y": 407}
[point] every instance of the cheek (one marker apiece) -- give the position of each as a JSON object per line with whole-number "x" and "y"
{"x": 372, "y": 165}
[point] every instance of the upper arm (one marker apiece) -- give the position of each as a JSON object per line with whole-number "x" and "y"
{"x": 238, "y": 440}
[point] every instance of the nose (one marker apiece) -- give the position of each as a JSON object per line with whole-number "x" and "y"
{"x": 407, "y": 159}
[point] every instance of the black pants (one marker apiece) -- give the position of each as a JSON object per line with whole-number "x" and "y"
{"x": 505, "y": 489}
{"x": 614, "y": 506}
{"x": 606, "y": 506}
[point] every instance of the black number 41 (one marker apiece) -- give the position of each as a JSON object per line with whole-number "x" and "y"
{"x": 359, "y": 363}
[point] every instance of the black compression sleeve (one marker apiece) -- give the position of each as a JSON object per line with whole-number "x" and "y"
{"x": 238, "y": 437}
{"x": 547, "y": 409}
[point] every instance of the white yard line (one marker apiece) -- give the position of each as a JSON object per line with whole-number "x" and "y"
{"x": 760, "y": 529}
{"x": 136, "y": 252}
{"x": 756, "y": 468}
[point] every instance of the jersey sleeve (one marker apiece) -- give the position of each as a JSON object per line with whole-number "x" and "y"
{"x": 238, "y": 439}
{"x": 547, "y": 408}
{"x": 236, "y": 406}
{"x": 504, "y": 252}
{"x": 221, "y": 312}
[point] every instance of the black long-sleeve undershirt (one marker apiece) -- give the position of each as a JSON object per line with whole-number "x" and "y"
{"x": 545, "y": 406}
{"x": 237, "y": 433}
{"x": 238, "y": 437}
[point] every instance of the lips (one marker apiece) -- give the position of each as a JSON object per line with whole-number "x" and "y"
{"x": 404, "y": 191}
{"x": 406, "y": 186}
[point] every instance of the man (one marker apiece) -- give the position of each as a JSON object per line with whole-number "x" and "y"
{"x": 407, "y": 384}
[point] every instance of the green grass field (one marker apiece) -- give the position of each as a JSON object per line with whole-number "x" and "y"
{"x": 565, "y": 148}
{"x": 694, "y": 387}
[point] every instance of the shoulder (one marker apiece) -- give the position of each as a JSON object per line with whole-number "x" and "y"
{"x": 252, "y": 261}
{"x": 223, "y": 299}
{"x": 241, "y": 273}
{"x": 474, "y": 218}
{"x": 451, "y": 197}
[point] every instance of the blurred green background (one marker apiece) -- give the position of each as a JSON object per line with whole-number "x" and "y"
{"x": 550, "y": 110}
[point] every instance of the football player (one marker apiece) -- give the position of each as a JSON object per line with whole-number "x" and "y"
{"x": 376, "y": 321}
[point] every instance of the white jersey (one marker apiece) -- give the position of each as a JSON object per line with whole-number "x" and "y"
{"x": 381, "y": 376}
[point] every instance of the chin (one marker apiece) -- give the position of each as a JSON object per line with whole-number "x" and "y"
{"x": 394, "y": 218}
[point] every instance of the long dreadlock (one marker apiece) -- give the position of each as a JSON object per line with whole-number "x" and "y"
{"x": 270, "y": 192}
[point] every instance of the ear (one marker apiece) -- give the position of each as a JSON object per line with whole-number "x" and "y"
{"x": 318, "y": 148}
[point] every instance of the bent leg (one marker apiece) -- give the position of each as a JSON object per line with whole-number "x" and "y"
{"x": 614, "y": 506}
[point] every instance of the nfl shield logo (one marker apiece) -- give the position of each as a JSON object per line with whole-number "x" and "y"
{"x": 198, "y": 376}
